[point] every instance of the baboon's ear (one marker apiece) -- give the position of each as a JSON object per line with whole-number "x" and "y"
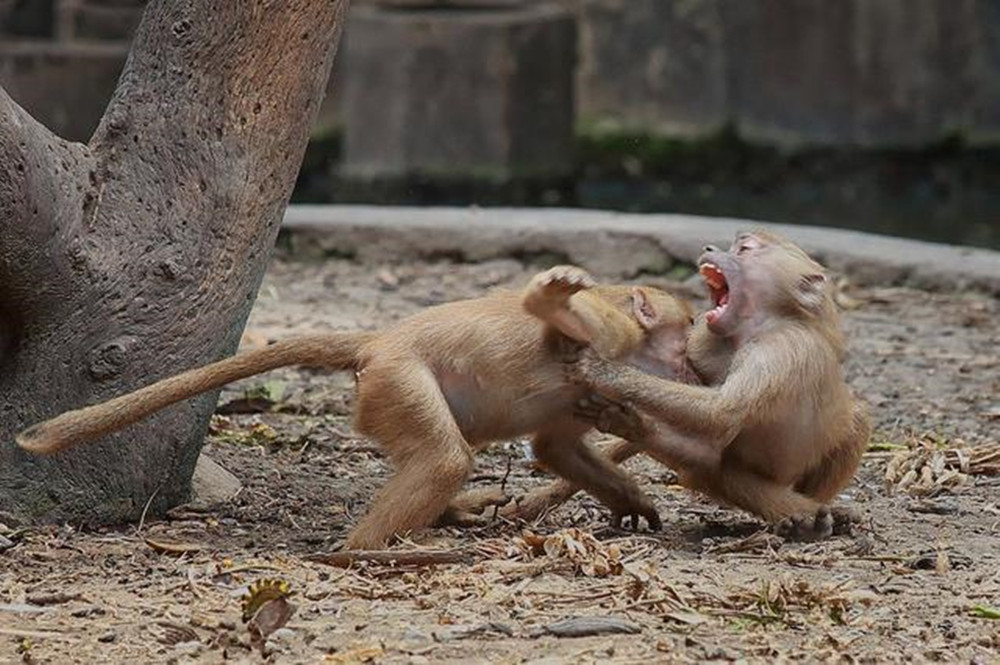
{"x": 643, "y": 309}
{"x": 810, "y": 292}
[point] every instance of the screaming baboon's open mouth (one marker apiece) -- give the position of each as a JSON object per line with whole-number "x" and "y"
{"x": 718, "y": 288}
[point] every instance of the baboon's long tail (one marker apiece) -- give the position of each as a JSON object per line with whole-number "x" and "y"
{"x": 333, "y": 350}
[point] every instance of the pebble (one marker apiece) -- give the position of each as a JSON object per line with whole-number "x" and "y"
{"x": 191, "y": 648}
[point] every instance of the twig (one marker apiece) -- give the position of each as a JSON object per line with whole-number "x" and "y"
{"x": 53, "y": 598}
{"x": 503, "y": 486}
{"x": 191, "y": 582}
{"x": 241, "y": 569}
{"x": 556, "y": 599}
{"x": 393, "y": 557}
{"x": 38, "y": 634}
{"x": 142, "y": 518}
{"x": 652, "y": 602}
{"x": 506, "y": 474}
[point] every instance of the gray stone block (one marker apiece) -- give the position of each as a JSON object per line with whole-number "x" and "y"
{"x": 985, "y": 121}
{"x": 653, "y": 65}
{"x": 459, "y": 91}
{"x": 790, "y": 70}
{"x": 103, "y": 20}
{"x": 26, "y": 18}
{"x": 863, "y": 72}
{"x": 212, "y": 485}
{"x": 914, "y": 79}
{"x": 66, "y": 87}
{"x": 330, "y": 117}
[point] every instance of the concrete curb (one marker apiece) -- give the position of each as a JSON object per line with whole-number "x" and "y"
{"x": 620, "y": 244}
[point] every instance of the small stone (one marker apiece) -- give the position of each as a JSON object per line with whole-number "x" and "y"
{"x": 211, "y": 484}
{"x": 107, "y": 637}
{"x": 191, "y": 648}
{"x": 281, "y": 635}
{"x": 388, "y": 280}
{"x": 586, "y": 626}
{"x": 414, "y": 635}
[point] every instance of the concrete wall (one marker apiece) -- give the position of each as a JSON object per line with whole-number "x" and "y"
{"x": 791, "y": 72}
{"x": 861, "y": 72}
{"x": 60, "y": 59}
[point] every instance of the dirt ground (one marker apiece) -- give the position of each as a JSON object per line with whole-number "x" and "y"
{"x": 918, "y": 580}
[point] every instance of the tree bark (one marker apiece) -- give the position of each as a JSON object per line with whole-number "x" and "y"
{"x": 139, "y": 254}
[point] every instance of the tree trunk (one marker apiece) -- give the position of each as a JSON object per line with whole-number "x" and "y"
{"x": 139, "y": 255}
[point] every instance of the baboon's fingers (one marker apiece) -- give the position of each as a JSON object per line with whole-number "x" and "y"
{"x": 478, "y": 499}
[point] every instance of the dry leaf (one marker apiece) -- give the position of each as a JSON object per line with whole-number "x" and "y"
{"x": 171, "y": 547}
{"x": 359, "y": 655}
{"x": 174, "y": 633}
{"x": 272, "y": 615}
{"x": 584, "y": 553}
{"x": 927, "y": 467}
{"x": 266, "y": 609}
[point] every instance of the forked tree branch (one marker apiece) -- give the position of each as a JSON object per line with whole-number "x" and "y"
{"x": 140, "y": 254}
{"x": 38, "y": 177}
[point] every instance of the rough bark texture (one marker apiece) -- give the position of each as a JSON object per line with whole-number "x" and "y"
{"x": 139, "y": 254}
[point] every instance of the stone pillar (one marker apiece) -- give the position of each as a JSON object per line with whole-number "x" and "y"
{"x": 652, "y": 65}
{"x": 863, "y": 72}
{"x": 65, "y": 86}
{"x": 106, "y": 20}
{"x": 791, "y": 73}
{"x": 915, "y": 76}
{"x": 26, "y": 18}
{"x": 459, "y": 90}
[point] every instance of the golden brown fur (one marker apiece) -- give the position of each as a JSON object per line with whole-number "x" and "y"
{"x": 775, "y": 429}
{"x": 448, "y": 380}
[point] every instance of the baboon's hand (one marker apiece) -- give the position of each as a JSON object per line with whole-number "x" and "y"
{"x": 560, "y": 282}
{"x": 586, "y": 367}
{"x": 613, "y": 418}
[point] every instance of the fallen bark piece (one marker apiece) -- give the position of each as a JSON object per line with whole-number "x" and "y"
{"x": 53, "y": 598}
{"x": 22, "y": 608}
{"x": 393, "y": 557}
{"x": 33, "y": 634}
{"x": 589, "y": 626}
{"x": 170, "y": 547}
{"x": 476, "y": 630}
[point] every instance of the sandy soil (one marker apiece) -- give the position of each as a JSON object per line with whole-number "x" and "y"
{"x": 918, "y": 580}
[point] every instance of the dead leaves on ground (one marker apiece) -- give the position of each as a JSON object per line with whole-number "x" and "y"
{"x": 266, "y": 608}
{"x": 564, "y": 584}
{"x": 164, "y": 546}
{"x": 258, "y": 434}
{"x": 775, "y": 600}
{"x": 929, "y": 465}
{"x": 574, "y": 549}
